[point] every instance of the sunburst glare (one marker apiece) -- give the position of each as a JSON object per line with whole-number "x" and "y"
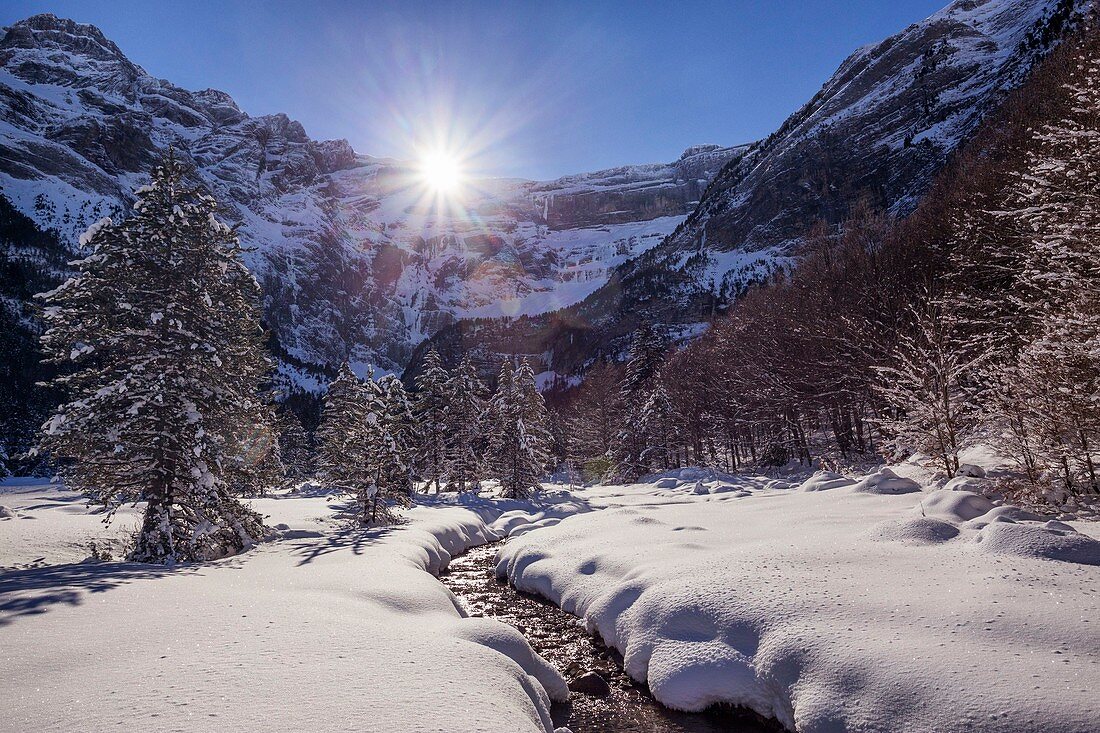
{"x": 441, "y": 172}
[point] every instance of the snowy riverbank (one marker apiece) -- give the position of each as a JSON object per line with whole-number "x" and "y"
{"x": 319, "y": 629}
{"x": 851, "y": 608}
{"x": 831, "y": 605}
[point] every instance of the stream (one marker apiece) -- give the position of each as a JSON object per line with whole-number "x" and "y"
{"x": 562, "y": 640}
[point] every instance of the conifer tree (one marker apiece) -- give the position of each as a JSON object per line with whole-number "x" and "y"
{"x": 430, "y": 407}
{"x": 656, "y": 426}
{"x": 536, "y": 421}
{"x": 647, "y": 352}
{"x": 395, "y": 453}
{"x": 344, "y": 439}
{"x": 465, "y": 420}
{"x": 255, "y": 463}
{"x": 503, "y": 448}
{"x": 295, "y": 450}
{"x": 159, "y": 333}
{"x": 519, "y": 440}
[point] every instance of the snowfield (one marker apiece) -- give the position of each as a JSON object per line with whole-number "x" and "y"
{"x": 320, "y": 629}
{"x": 833, "y": 605}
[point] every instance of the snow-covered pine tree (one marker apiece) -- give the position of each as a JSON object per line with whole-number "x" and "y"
{"x": 656, "y": 425}
{"x": 395, "y": 454}
{"x": 465, "y": 442}
{"x": 518, "y": 441}
{"x": 379, "y": 451}
{"x": 931, "y": 389}
{"x": 535, "y": 425}
{"x": 159, "y": 333}
{"x": 344, "y": 459}
{"x": 387, "y": 419}
{"x": 647, "y": 353}
{"x": 503, "y": 447}
{"x": 295, "y": 449}
{"x": 254, "y": 463}
{"x": 430, "y": 407}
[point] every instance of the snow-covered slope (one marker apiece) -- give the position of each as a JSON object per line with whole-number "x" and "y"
{"x": 353, "y": 260}
{"x": 877, "y": 132}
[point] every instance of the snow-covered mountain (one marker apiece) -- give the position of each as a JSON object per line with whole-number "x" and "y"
{"x": 876, "y": 134}
{"x": 878, "y": 130}
{"x": 354, "y": 259}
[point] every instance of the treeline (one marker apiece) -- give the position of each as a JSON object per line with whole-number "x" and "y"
{"x": 976, "y": 318}
{"x": 375, "y": 441}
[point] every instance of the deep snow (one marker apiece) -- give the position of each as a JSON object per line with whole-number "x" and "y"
{"x": 833, "y": 605}
{"x": 322, "y": 628}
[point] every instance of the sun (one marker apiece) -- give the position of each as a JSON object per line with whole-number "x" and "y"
{"x": 441, "y": 172}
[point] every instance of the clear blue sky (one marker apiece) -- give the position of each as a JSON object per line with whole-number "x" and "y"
{"x": 533, "y": 89}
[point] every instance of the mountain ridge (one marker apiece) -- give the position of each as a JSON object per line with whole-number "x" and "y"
{"x": 80, "y": 125}
{"x": 874, "y": 136}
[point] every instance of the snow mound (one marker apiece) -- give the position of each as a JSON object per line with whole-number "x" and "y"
{"x": 885, "y": 481}
{"x": 6, "y": 513}
{"x": 1005, "y": 513}
{"x": 825, "y": 480}
{"x": 955, "y": 506}
{"x": 965, "y": 483}
{"x": 510, "y": 642}
{"x": 920, "y": 530}
{"x": 1051, "y": 541}
{"x": 970, "y": 470}
{"x": 319, "y": 601}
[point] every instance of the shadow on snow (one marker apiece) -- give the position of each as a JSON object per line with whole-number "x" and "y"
{"x": 35, "y": 590}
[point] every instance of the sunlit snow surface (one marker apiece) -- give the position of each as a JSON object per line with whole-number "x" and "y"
{"x": 322, "y": 628}
{"x": 833, "y": 605}
{"x": 858, "y": 603}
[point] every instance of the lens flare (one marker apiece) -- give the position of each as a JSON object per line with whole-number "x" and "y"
{"x": 441, "y": 172}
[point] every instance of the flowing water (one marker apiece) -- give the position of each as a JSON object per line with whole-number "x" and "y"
{"x": 563, "y": 641}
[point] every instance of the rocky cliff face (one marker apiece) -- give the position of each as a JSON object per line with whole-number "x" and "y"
{"x": 354, "y": 261}
{"x": 876, "y": 134}
{"x": 878, "y": 130}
